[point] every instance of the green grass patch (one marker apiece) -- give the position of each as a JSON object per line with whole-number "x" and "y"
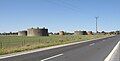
{"x": 12, "y": 44}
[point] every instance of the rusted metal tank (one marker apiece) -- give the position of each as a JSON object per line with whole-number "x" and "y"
{"x": 37, "y": 32}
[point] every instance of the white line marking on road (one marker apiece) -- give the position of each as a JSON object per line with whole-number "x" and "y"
{"x": 52, "y": 57}
{"x": 91, "y": 44}
{"x": 108, "y": 58}
{"x": 103, "y": 40}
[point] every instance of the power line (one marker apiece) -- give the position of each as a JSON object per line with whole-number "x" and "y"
{"x": 66, "y": 5}
{"x": 69, "y": 4}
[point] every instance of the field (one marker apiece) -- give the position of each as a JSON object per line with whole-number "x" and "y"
{"x": 12, "y": 44}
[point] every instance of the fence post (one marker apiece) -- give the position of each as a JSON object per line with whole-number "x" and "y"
{"x": 39, "y": 40}
{"x": 1, "y": 45}
{"x": 23, "y": 42}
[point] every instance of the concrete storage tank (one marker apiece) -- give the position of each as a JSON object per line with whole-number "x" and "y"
{"x": 22, "y": 33}
{"x": 90, "y": 33}
{"x": 80, "y": 33}
{"x": 44, "y": 32}
{"x": 33, "y": 32}
{"x": 61, "y": 33}
{"x": 37, "y": 32}
{"x": 76, "y": 32}
{"x": 84, "y": 33}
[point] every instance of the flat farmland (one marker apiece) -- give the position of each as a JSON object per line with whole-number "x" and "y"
{"x": 12, "y": 44}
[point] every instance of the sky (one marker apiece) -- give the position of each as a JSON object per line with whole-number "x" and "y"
{"x": 58, "y": 15}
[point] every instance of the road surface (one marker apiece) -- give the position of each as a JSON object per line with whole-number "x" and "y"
{"x": 96, "y": 50}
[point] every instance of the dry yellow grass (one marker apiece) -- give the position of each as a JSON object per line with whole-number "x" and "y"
{"x": 12, "y": 44}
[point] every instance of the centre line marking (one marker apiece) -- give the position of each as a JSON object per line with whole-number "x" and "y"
{"x": 91, "y": 44}
{"x": 103, "y": 40}
{"x": 52, "y": 57}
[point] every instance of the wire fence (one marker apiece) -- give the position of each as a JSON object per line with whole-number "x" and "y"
{"x": 17, "y": 42}
{"x": 10, "y": 44}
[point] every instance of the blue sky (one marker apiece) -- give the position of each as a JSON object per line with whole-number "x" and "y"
{"x": 56, "y": 15}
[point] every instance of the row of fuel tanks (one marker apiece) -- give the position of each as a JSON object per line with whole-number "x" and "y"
{"x": 44, "y": 32}
{"x": 34, "y": 32}
{"x": 78, "y": 33}
{"x": 83, "y": 33}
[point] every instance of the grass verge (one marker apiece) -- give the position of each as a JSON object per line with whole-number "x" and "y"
{"x": 13, "y": 44}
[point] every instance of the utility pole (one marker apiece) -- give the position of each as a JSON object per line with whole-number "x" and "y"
{"x": 96, "y": 18}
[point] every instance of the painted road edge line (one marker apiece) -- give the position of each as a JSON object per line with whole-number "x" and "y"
{"x": 43, "y": 49}
{"x": 108, "y": 58}
{"x": 52, "y": 57}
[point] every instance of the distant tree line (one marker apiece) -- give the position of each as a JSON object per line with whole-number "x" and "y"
{"x": 10, "y": 33}
{"x": 66, "y": 33}
{"x": 115, "y": 32}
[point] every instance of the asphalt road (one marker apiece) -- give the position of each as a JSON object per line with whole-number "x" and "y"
{"x": 96, "y": 50}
